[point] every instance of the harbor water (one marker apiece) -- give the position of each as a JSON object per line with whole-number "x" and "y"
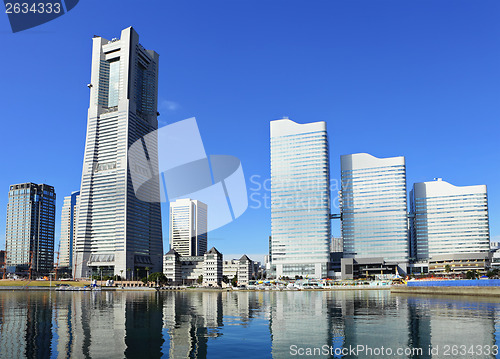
{"x": 246, "y": 324}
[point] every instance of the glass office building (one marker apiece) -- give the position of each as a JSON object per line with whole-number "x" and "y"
{"x": 449, "y": 219}
{"x": 188, "y": 227}
{"x": 29, "y": 238}
{"x": 116, "y": 232}
{"x": 374, "y": 207}
{"x": 68, "y": 230}
{"x": 300, "y": 199}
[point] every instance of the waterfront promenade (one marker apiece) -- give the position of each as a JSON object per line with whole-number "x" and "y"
{"x": 468, "y": 287}
{"x": 479, "y": 288}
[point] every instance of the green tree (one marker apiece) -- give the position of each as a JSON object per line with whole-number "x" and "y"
{"x": 234, "y": 281}
{"x": 471, "y": 274}
{"x": 447, "y": 269}
{"x": 200, "y": 279}
{"x": 157, "y": 277}
{"x": 225, "y": 279}
{"x": 147, "y": 271}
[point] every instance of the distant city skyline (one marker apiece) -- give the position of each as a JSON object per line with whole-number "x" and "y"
{"x": 402, "y": 79}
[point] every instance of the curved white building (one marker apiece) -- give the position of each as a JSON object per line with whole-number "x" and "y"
{"x": 449, "y": 219}
{"x": 374, "y": 207}
{"x": 300, "y": 199}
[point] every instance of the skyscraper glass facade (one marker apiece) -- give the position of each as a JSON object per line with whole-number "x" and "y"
{"x": 374, "y": 207}
{"x": 188, "y": 227}
{"x": 30, "y": 227}
{"x": 449, "y": 219}
{"x": 300, "y": 199}
{"x": 68, "y": 230}
{"x": 116, "y": 231}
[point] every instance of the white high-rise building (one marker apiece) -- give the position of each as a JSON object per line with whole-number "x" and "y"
{"x": 69, "y": 214}
{"x": 449, "y": 219}
{"x": 300, "y": 199}
{"x": 188, "y": 227}
{"x": 374, "y": 207}
{"x": 117, "y": 231}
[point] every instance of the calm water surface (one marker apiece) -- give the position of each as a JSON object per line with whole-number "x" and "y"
{"x": 245, "y": 325}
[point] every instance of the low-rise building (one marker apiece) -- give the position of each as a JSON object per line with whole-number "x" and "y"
{"x": 230, "y": 269}
{"x": 212, "y": 268}
{"x": 376, "y": 267}
{"x": 172, "y": 266}
{"x": 243, "y": 269}
{"x": 188, "y": 269}
{"x": 460, "y": 263}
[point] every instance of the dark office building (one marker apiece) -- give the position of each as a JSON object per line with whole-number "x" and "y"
{"x": 30, "y": 228}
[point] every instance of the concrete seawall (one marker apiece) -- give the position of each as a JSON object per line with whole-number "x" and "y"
{"x": 472, "y": 291}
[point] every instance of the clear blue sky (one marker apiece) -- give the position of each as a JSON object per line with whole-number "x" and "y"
{"x": 413, "y": 78}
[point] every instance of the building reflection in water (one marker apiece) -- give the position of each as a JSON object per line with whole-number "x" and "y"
{"x": 90, "y": 325}
{"x": 300, "y": 319}
{"x": 26, "y": 326}
{"x": 200, "y": 324}
{"x": 187, "y": 329}
{"x": 450, "y": 322}
{"x": 143, "y": 325}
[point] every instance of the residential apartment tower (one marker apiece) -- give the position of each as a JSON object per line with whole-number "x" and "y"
{"x": 29, "y": 238}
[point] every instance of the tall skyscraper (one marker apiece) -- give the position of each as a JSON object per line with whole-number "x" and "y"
{"x": 374, "y": 207}
{"x": 300, "y": 199}
{"x": 68, "y": 230}
{"x": 188, "y": 227}
{"x": 30, "y": 227}
{"x": 449, "y": 219}
{"x": 117, "y": 231}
